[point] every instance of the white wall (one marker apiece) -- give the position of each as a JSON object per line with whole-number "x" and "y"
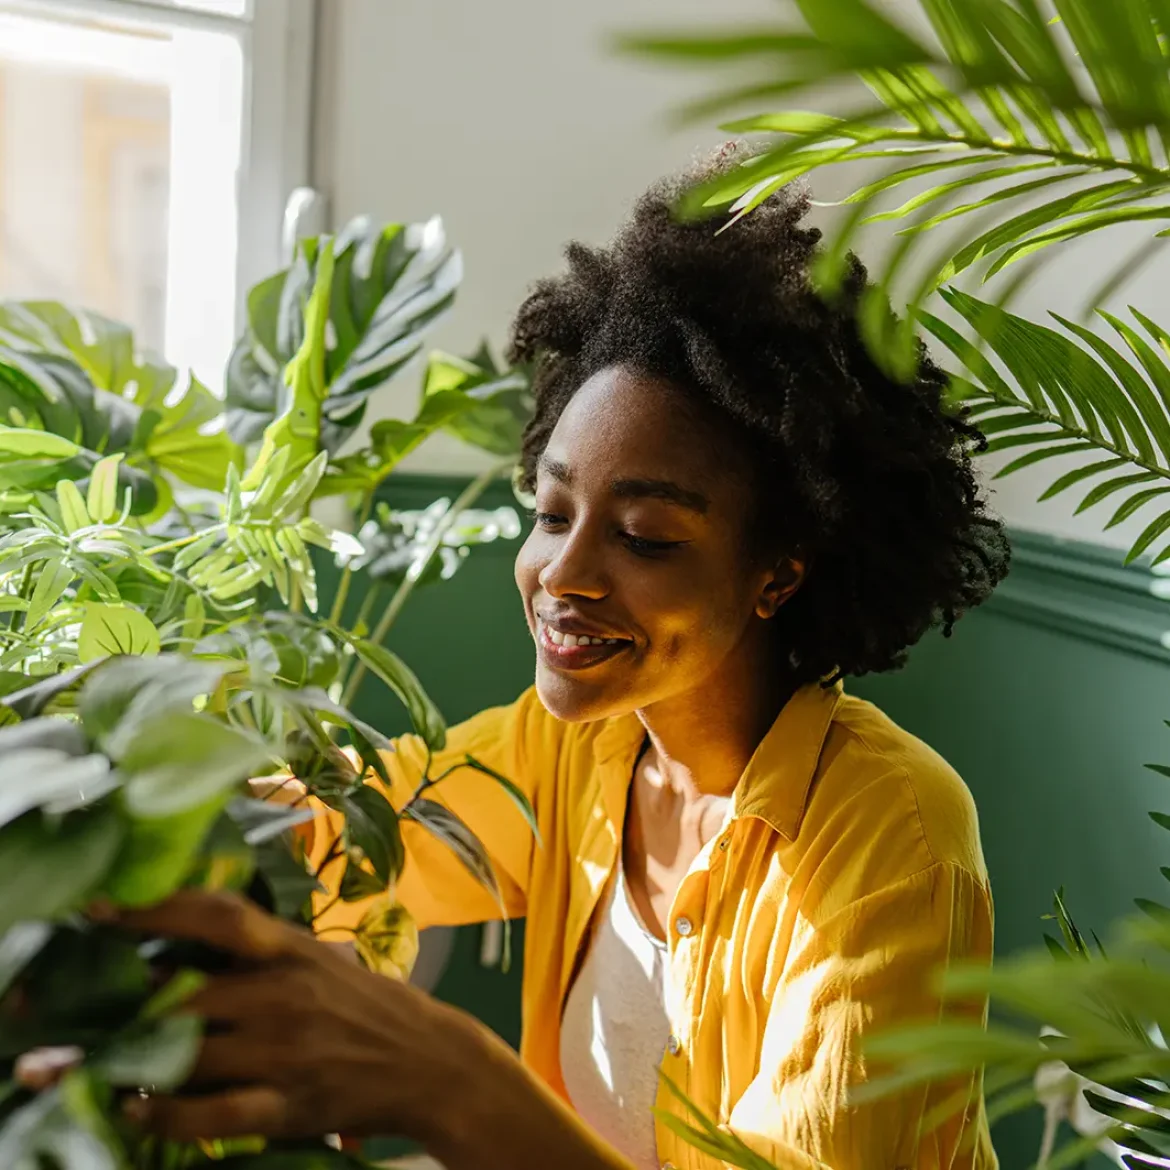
{"x": 515, "y": 122}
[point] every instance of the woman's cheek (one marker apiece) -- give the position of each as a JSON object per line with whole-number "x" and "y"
{"x": 526, "y": 571}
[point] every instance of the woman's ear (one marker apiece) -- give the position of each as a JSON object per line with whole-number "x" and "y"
{"x": 786, "y": 579}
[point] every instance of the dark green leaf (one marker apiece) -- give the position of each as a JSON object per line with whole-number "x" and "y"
{"x": 371, "y": 824}
{"x": 1116, "y": 484}
{"x": 357, "y": 883}
{"x": 517, "y": 795}
{"x": 18, "y": 947}
{"x": 289, "y": 884}
{"x": 443, "y": 824}
{"x": 1135, "y": 503}
{"x": 158, "y": 1056}
{"x": 424, "y": 715}
{"x": 1071, "y": 478}
{"x": 32, "y": 700}
{"x": 1153, "y": 531}
{"x": 54, "y": 868}
{"x": 262, "y": 820}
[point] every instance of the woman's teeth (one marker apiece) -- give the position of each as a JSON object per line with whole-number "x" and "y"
{"x": 570, "y": 640}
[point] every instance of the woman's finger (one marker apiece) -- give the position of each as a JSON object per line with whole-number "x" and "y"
{"x": 240, "y": 1112}
{"x": 237, "y": 1058}
{"x": 221, "y": 920}
{"x": 44, "y": 1067}
{"x": 243, "y": 996}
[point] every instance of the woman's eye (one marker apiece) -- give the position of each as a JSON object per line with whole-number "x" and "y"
{"x": 547, "y": 520}
{"x": 650, "y": 548}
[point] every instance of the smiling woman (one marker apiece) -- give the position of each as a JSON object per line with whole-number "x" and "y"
{"x": 740, "y": 870}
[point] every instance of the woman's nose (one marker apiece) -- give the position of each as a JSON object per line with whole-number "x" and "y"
{"x": 576, "y": 570}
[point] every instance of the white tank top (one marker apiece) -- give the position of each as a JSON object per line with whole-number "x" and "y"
{"x": 615, "y": 1027}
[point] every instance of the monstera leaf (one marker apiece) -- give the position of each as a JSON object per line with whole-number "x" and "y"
{"x": 500, "y": 399}
{"x": 471, "y": 398}
{"x": 388, "y": 286}
{"x": 77, "y": 375}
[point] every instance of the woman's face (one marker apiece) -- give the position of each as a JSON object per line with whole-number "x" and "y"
{"x": 636, "y": 580}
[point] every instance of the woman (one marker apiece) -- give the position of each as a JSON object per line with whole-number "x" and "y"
{"x": 742, "y": 871}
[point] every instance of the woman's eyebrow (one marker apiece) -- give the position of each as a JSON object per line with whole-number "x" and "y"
{"x": 653, "y": 489}
{"x": 661, "y": 489}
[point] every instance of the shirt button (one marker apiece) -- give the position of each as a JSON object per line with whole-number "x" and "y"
{"x": 667, "y": 1166}
{"x": 683, "y": 927}
{"x": 673, "y": 1045}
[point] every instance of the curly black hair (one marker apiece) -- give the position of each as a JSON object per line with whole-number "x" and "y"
{"x": 869, "y": 478}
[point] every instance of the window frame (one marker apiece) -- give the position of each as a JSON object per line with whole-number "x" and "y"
{"x": 277, "y": 38}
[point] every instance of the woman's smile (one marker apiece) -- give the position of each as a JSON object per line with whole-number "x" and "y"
{"x": 568, "y": 644}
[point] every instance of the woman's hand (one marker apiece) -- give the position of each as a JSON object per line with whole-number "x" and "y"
{"x": 301, "y": 1040}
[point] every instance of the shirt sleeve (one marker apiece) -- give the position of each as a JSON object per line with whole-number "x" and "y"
{"x": 521, "y": 742}
{"x": 858, "y": 970}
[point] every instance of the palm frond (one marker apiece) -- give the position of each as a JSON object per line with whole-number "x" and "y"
{"x": 1064, "y": 123}
{"x": 1070, "y": 392}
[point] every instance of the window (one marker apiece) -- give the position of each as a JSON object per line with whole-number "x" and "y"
{"x": 146, "y": 152}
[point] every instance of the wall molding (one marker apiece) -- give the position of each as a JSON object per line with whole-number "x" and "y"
{"x": 1087, "y": 591}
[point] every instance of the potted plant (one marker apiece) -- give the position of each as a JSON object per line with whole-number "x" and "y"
{"x": 161, "y": 645}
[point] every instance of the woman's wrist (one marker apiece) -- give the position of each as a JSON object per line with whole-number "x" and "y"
{"x": 455, "y": 1100}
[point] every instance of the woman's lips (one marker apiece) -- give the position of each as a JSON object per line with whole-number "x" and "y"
{"x": 574, "y": 652}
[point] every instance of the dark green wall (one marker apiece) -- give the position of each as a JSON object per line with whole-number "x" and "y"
{"x": 1048, "y": 702}
{"x": 466, "y": 640}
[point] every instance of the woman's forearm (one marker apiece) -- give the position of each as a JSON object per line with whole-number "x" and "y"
{"x": 499, "y": 1116}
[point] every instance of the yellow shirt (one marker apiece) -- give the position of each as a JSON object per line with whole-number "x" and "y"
{"x": 847, "y": 871}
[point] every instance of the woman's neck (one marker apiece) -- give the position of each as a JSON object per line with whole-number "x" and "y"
{"x": 701, "y": 741}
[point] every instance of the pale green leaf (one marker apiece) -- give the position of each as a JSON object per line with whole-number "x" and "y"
{"x": 22, "y": 443}
{"x": 55, "y": 577}
{"x": 101, "y": 500}
{"x": 74, "y": 514}
{"x": 115, "y": 629}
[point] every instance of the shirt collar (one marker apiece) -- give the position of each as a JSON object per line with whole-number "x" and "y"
{"x": 776, "y": 785}
{"x": 777, "y": 782}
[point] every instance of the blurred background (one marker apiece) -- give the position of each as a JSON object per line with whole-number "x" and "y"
{"x": 157, "y": 158}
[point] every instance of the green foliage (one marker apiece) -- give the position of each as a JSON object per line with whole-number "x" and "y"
{"x": 159, "y": 648}
{"x": 385, "y": 286}
{"x": 984, "y": 124}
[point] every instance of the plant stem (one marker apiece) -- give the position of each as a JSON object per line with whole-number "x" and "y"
{"x": 335, "y": 851}
{"x": 469, "y": 495}
{"x": 171, "y": 545}
{"x": 347, "y": 576}
{"x": 359, "y": 623}
{"x": 20, "y": 619}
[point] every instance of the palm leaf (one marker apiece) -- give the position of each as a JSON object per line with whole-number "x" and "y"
{"x": 988, "y": 98}
{"x": 1070, "y": 391}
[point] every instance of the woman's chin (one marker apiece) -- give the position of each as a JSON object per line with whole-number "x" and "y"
{"x": 576, "y": 699}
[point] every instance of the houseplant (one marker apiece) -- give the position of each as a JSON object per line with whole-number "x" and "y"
{"x": 998, "y": 131}
{"x": 161, "y": 644}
